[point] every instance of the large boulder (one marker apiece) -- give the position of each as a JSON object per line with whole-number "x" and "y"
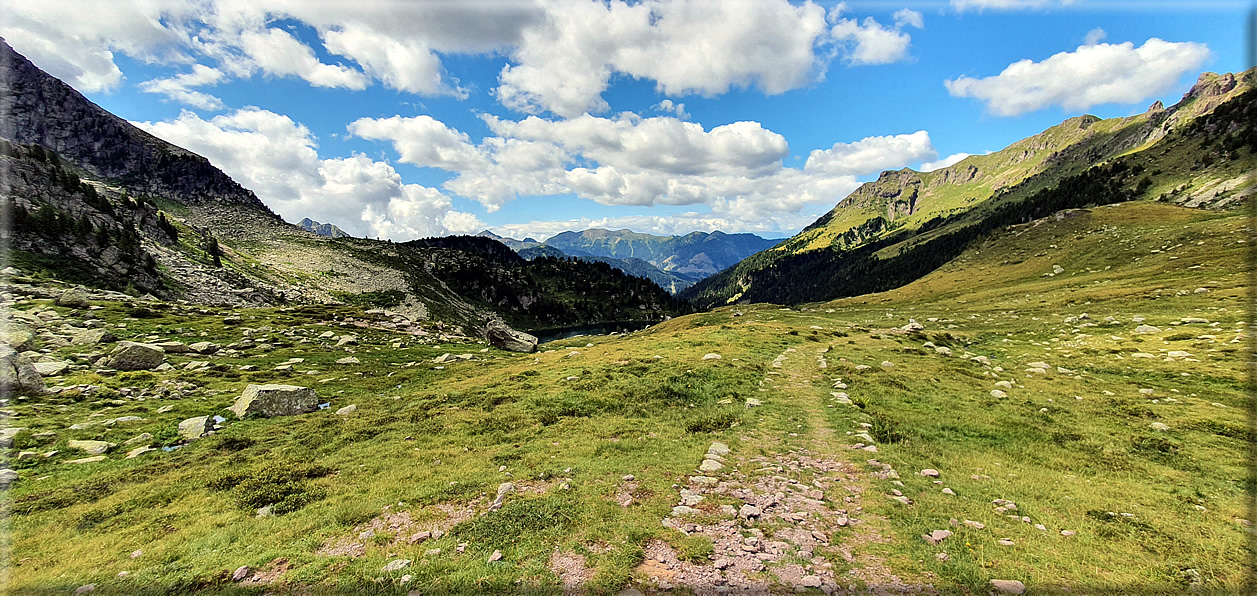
{"x": 195, "y": 428}
{"x": 18, "y": 336}
{"x": 503, "y": 337}
{"x": 18, "y": 374}
{"x": 130, "y": 355}
{"x": 275, "y": 400}
{"x": 73, "y": 298}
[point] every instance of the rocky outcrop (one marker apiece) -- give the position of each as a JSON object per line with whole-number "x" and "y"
{"x": 275, "y": 400}
{"x": 503, "y": 337}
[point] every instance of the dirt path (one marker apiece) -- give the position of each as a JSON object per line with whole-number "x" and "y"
{"x": 790, "y": 519}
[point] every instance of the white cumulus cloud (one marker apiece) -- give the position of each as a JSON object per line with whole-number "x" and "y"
{"x": 950, "y": 160}
{"x": 870, "y": 42}
{"x": 278, "y": 159}
{"x": 180, "y": 87}
{"x": 871, "y": 154}
{"x": 735, "y": 170}
{"x": 563, "y": 64}
{"x": 1091, "y": 75}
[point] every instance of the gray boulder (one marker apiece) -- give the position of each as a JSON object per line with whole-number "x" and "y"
{"x": 91, "y": 447}
{"x": 73, "y": 298}
{"x": 92, "y": 337}
{"x": 195, "y": 428}
{"x": 503, "y": 337}
{"x": 19, "y": 336}
{"x": 275, "y": 400}
{"x": 18, "y": 374}
{"x": 204, "y": 347}
{"x": 51, "y": 368}
{"x": 130, "y": 355}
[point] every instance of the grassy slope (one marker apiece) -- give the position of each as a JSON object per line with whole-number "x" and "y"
{"x": 425, "y": 437}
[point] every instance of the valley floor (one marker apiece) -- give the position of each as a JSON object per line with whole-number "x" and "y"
{"x": 1062, "y": 407}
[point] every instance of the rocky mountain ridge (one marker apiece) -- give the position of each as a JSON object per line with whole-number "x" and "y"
{"x": 1197, "y": 153}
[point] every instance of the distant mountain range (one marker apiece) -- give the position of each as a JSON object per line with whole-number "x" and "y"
{"x": 673, "y": 262}
{"x": 900, "y": 227}
{"x": 323, "y": 229}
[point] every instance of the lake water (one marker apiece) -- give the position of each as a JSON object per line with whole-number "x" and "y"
{"x": 548, "y": 335}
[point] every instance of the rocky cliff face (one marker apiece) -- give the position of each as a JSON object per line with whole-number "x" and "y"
{"x": 36, "y": 108}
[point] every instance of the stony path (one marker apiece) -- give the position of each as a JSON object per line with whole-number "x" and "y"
{"x": 788, "y": 521}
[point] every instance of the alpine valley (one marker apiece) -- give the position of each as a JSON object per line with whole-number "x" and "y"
{"x": 1020, "y": 373}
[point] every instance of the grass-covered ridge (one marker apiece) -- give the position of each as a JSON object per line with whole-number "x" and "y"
{"x": 430, "y": 443}
{"x": 889, "y": 232}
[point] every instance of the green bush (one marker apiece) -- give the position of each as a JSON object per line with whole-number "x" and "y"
{"x": 886, "y": 429}
{"x": 282, "y": 485}
{"x": 712, "y": 420}
{"x": 520, "y": 519}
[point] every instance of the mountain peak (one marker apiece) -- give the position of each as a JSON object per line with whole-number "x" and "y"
{"x": 39, "y": 109}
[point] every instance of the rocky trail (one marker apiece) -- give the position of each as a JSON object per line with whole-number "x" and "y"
{"x": 788, "y": 519}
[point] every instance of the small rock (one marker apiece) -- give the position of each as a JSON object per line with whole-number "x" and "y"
{"x": 888, "y": 364}
{"x": 347, "y": 410}
{"x": 998, "y": 394}
{"x": 1147, "y": 329}
{"x": 85, "y": 589}
{"x": 1068, "y": 532}
{"x": 240, "y": 573}
{"x": 396, "y": 565}
{"x": 748, "y": 511}
{"x": 1159, "y": 426}
{"x": 138, "y": 451}
{"x": 936, "y": 536}
{"x": 1008, "y": 586}
{"x": 264, "y": 511}
{"x": 948, "y": 491}
{"x": 91, "y": 447}
{"x": 710, "y": 465}
{"x": 137, "y": 554}
{"x": 932, "y": 473}
{"x": 711, "y": 356}
{"x": 682, "y": 511}
{"x": 975, "y": 525}
{"x": 496, "y": 556}
{"x": 347, "y": 360}
{"x": 810, "y": 581}
{"x": 1005, "y": 542}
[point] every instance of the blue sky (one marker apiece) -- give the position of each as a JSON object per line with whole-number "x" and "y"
{"x": 412, "y": 119}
